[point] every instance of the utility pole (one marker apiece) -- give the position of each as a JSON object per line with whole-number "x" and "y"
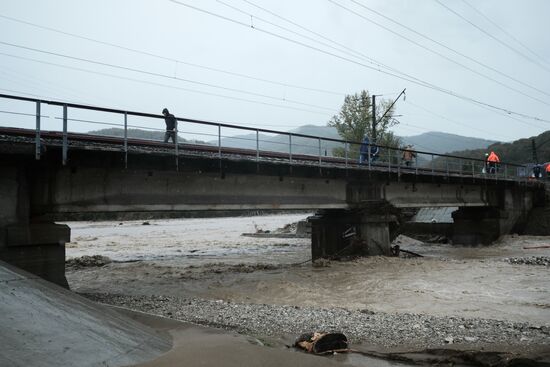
{"x": 373, "y": 117}
{"x": 385, "y": 113}
{"x": 534, "y": 150}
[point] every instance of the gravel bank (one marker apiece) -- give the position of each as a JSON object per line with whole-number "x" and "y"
{"x": 534, "y": 260}
{"x": 376, "y": 329}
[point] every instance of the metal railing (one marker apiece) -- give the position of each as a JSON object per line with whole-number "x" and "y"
{"x": 295, "y": 151}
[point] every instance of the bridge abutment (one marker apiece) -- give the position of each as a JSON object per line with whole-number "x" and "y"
{"x": 362, "y": 232}
{"x": 37, "y": 247}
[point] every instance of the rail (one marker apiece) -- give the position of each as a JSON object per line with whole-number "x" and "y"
{"x": 321, "y": 151}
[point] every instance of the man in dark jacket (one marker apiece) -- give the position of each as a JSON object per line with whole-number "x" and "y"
{"x": 364, "y": 150}
{"x": 171, "y": 124}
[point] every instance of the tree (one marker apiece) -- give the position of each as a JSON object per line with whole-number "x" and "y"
{"x": 354, "y": 121}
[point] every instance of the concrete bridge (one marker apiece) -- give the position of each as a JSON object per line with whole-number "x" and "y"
{"x": 54, "y": 176}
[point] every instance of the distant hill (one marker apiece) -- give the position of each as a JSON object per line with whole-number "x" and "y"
{"x": 279, "y": 143}
{"x": 518, "y": 152}
{"x": 438, "y": 142}
{"x": 138, "y": 134}
{"x": 435, "y": 142}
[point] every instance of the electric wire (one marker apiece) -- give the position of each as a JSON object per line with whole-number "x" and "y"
{"x": 522, "y": 54}
{"x": 132, "y": 49}
{"x": 412, "y": 79}
{"x": 160, "y": 84}
{"x": 505, "y": 32}
{"x": 449, "y": 48}
{"x": 146, "y": 53}
{"x": 427, "y": 132}
{"x": 349, "y": 51}
{"x": 490, "y": 133}
{"x": 19, "y": 78}
{"x": 440, "y": 54}
{"x": 150, "y": 73}
{"x": 282, "y": 27}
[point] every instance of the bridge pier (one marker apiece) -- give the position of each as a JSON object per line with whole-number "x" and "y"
{"x": 484, "y": 225}
{"x": 339, "y": 232}
{"x": 477, "y": 225}
{"x": 37, "y": 247}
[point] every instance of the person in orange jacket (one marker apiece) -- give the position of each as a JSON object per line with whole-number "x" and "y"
{"x": 492, "y": 161}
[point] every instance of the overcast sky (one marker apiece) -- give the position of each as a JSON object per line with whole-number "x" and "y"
{"x": 344, "y": 52}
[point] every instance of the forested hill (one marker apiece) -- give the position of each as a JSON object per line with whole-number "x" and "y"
{"x": 519, "y": 151}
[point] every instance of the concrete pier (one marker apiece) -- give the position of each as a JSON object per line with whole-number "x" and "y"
{"x": 37, "y": 247}
{"x": 361, "y": 232}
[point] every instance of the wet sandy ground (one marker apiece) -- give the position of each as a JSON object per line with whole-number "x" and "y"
{"x": 208, "y": 258}
{"x": 199, "y": 346}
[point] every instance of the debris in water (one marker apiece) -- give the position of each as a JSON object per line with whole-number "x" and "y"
{"x": 322, "y": 342}
{"x": 88, "y": 261}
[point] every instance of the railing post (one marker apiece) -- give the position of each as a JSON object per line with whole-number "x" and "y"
{"x": 37, "y": 139}
{"x": 219, "y": 141}
{"x": 506, "y": 171}
{"x": 65, "y": 138}
{"x": 368, "y": 154}
{"x": 346, "y": 148}
{"x": 220, "y": 147}
{"x": 398, "y": 164}
{"x": 447, "y": 165}
{"x": 176, "y": 146}
{"x": 290, "y": 148}
{"x": 473, "y": 168}
{"x": 416, "y": 164}
{"x": 389, "y": 159}
{"x": 319, "y": 140}
{"x": 432, "y": 163}
{"x": 257, "y": 145}
{"x": 126, "y": 140}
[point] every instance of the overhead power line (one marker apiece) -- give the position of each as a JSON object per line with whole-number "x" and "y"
{"x": 150, "y": 73}
{"x": 410, "y": 79}
{"x": 170, "y": 59}
{"x": 522, "y": 54}
{"x": 450, "y": 49}
{"x": 159, "y": 84}
{"x": 510, "y": 35}
{"x": 489, "y": 133}
{"x": 439, "y": 53}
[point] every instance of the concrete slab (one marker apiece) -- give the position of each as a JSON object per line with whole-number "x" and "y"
{"x": 46, "y": 325}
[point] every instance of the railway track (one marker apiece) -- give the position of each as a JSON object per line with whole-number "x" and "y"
{"x": 111, "y": 143}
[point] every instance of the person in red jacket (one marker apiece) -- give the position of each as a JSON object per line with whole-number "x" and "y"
{"x": 492, "y": 161}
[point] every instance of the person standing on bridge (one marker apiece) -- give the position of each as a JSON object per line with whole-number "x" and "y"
{"x": 171, "y": 126}
{"x": 408, "y": 155}
{"x": 492, "y": 161}
{"x": 364, "y": 150}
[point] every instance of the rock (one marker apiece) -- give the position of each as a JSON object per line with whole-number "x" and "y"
{"x": 321, "y": 263}
{"x": 449, "y": 340}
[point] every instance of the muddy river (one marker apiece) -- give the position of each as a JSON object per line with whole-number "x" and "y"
{"x": 210, "y": 258}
